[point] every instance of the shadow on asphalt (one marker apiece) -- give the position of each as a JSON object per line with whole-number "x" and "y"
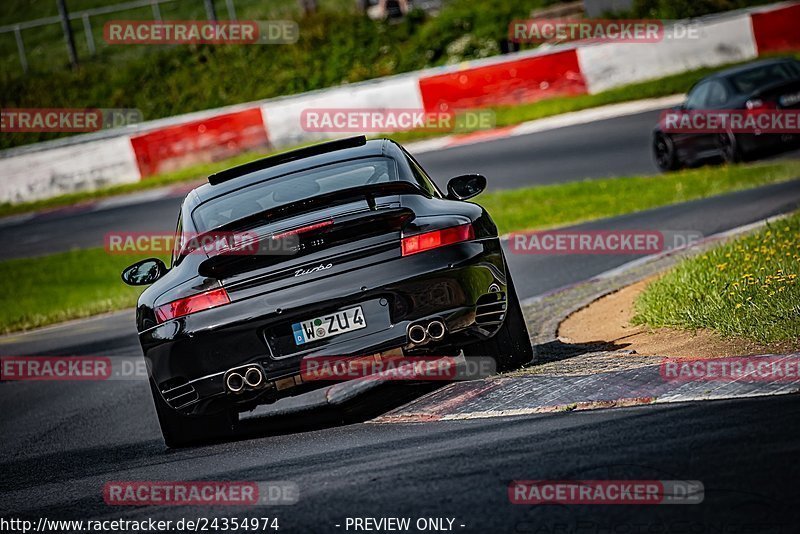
{"x": 556, "y": 350}
{"x": 361, "y": 408}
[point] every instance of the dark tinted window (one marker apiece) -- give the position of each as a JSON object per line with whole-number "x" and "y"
{"x": 717, "y": 94}
{"x": 697, "y": 96}
{"x": 269, "y": 194}
{"x": 422, "y": 178}
{"x": 750, "y": 80}
{"x": 178, "y": 245}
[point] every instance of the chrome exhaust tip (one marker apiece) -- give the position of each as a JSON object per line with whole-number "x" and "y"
{"x": 253, "y": 377}
{"x": 417, "y": 333}
{"x": 436, "y": 330}
{"x": 234, "y": 382}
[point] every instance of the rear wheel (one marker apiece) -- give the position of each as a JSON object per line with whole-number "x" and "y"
{"x": 664, "y": 153}
{"x": 729, "y": 148}
{"x": 510, "y": 346}
{"x": 184, "y": 430}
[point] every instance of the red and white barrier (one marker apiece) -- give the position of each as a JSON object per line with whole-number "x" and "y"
{"x": 777, "y": 29}
{"x": 283, "y": 116}
{"x": 199, "y": 141}
{"x": 614, "y": 64}
{"x": 505, "y": 82}
{"x": 62, "y": 170}
{"x": 90, "y": 161}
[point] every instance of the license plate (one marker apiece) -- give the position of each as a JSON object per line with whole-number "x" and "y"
{"x": 329, "y": 325}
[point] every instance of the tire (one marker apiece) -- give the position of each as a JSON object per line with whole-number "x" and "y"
{"x": 729, "y": 149}
{"x": 181, "y": 430}
{"x": 510, "y": 346}
{"x": 664, "y": 155}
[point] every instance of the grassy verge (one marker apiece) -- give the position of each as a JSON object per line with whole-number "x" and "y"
{"x": 747, "y": 288}
{"x": 505, "y": 116}
{"x": 85, "y": 282}
{"x": 58, "y": 287}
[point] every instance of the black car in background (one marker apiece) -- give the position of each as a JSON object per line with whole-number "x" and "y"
{"x": 365, "y": 256}
{"x": 760, "y": 86}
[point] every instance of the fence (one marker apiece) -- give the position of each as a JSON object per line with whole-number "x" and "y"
{"x": 65, "y": 19}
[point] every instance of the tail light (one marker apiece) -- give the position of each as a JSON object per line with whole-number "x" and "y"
{"x": 303, "y": 230}
{"x": 436, "y": 238}
{"x": 755, "y": 104}
{"x": 195, "y": 303}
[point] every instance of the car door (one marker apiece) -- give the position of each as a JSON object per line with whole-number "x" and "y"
{"x": 717, "y": 98}
{"x": 690, "y": 146}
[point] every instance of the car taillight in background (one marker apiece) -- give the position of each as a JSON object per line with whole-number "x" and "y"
{"x": 195, "y": 303}
{"x": 756, "y": 104}
{"x": 437, "y": 238}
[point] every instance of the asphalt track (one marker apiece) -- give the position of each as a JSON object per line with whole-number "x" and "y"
{"x": 63, "y": 441}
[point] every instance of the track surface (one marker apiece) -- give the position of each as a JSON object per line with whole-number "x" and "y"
{"x": 63, "y": 441}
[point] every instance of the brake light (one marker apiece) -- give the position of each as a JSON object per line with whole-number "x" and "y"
{"x": 437, "y": 238}
{"x": 195, "y": 303}
{"x": 757, "y": 104}
{"x": 303, "y": 230}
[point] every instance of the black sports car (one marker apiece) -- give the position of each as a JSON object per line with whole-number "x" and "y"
{"x": 357, "y": 252}
{"x": 757, "y": 87}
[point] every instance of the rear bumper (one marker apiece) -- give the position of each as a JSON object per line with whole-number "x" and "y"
{"x": 190, "y": 356}
{"x": 754, "y": 144}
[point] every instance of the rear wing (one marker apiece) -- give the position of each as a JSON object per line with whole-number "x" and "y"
{"x": 285, "y": 157}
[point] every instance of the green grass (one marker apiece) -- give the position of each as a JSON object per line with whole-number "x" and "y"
{"x": 49, "y": 289}
{"x": 748, "y": 288}
{"x": 556, "y": 205}
{"x": 80, "y": 283}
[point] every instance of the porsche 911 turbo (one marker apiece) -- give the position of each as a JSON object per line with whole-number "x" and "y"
{"x": 350, "y": 249}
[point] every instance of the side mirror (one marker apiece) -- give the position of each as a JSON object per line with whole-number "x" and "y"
{"x": 144, "y": 272}
{"x": 465, "y": 186}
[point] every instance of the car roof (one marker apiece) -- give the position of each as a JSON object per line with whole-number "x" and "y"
{"x": 370, "y": 148}
{"x": 748, "y": 66}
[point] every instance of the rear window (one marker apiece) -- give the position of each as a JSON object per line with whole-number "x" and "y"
{"x": 750, "y": 80}
{"x": 291, "y": 188}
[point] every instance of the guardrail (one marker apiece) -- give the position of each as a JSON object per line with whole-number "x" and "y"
{"x": 85, "y": 16}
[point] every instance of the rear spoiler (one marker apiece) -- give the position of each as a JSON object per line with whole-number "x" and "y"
{"x": 273, "y": 248}
{"x": 285, "y": 157}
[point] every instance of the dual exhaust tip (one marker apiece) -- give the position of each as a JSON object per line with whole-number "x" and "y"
{"x": 420, "y": 334}
{"x": 251, "y": 377}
